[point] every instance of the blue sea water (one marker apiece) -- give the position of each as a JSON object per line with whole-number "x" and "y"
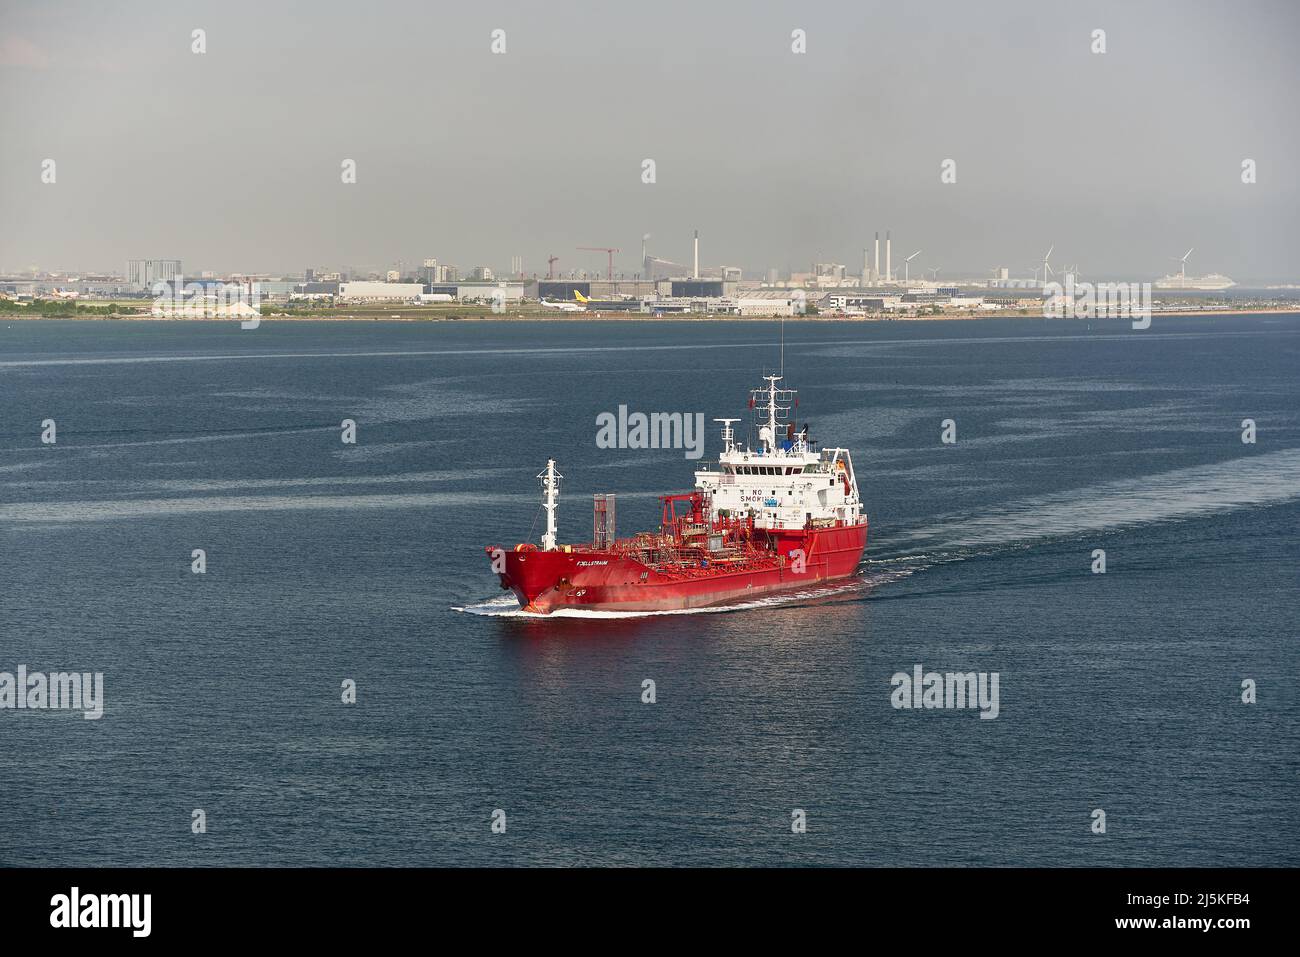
{"x": 325, "y": 562}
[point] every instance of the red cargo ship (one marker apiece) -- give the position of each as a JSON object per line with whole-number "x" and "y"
{"x": 778, "y": 517}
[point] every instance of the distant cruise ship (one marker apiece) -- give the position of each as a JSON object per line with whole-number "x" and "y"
{"x": 1211, "y": 283}
{"x": 1181, "y": 281}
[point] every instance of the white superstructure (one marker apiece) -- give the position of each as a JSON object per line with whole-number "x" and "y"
{"x": 784, "y": 483}
{"x": 1211, "y": 283}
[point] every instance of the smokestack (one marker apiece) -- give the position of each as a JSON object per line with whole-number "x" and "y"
{"x": 696, "y": 273}
{"x": 876, "y": 271}
{"x": 866, "y": 267}
{"x": 889, "y": 269}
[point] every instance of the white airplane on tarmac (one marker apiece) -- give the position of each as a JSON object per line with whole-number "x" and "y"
{"x": 580, "y": 305}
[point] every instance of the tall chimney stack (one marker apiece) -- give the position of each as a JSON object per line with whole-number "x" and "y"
{"x": 696, "y": 273}
{"x": 876, "y": 272}
{"x": 889, "y": 268}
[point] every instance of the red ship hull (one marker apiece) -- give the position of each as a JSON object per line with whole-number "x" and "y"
{"x": 613, "y": 580}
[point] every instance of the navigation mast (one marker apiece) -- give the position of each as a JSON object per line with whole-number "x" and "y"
{"x": 776, "y": 413}
{"x": 550, "y": 499}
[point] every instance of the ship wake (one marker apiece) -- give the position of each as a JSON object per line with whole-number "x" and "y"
{"x": 1254, "y": 481}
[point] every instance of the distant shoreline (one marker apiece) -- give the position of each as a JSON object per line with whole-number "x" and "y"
{"x": 535, "y": 315}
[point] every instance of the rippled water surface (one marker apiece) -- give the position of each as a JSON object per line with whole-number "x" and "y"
{"x": 328, "y": 562}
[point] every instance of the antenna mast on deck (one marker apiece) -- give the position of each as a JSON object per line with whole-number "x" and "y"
{"x": 550, "y": 499}
{"x": 728, "y": 435}
{"x": 777, "y": 413}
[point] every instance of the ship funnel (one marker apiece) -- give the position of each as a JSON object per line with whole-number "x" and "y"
{"x": 603, "y": 520}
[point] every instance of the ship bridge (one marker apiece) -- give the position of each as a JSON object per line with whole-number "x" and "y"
{"x": 785, "y": 483}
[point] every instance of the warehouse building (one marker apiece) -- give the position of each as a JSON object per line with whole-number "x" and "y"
{"x": 563, "y": 289}
{"x": 380, "y": 291}
{"x": 487, "y": 291}
{"x": 700, "y": 289}
{"x": 764, "y": 307}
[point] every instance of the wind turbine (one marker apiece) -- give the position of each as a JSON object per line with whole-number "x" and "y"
{"x": 1182, "y": 266}
{"x": 906, "y": 264}
{"x": 1047, "y": 269}
{"x": 934, "y": 273}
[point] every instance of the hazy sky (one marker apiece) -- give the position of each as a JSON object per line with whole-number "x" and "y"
{"x": 230, "y": 160}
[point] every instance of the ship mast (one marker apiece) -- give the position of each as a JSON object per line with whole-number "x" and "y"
{"x": 771, "y": 410}
{"x": 767, "y": 434}
{"x": 550, "y": 499}
{"x": 771, "y": 406}
{"x": 728, "y": 435}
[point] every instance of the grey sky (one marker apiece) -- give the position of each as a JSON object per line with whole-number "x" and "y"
{"x": 231, "y": 160}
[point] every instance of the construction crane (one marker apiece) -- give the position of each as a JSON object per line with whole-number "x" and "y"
{"x": 550, "y": 266}
{"x": 604, "y": 249}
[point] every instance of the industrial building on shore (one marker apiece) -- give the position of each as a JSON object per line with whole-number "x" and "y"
{"x": 883, "y": 287}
